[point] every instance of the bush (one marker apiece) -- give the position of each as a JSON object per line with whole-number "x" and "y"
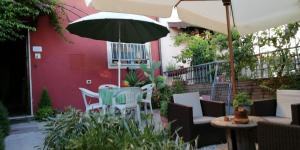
{"x": 44, "y": 113}
{"x": 45, "y": 109}
{"x": 292, "y": 84}
{"x": 89, "y": 131}
{"x": 164, "y": 108}
{"x": 4, "y": 122}
{"x": 178, "y": 86}
{"x": 45, "y": 100}
{"x": 162, "y": 94}
{"x": 1, "y": 140}
{"x": 171, "y": 66}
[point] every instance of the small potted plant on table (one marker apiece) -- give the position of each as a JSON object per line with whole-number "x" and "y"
{"x": 241, "y": 104}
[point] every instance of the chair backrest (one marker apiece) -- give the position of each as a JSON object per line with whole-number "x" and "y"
{"x": 276, "y": 136}
{"x": 191, "y": 100}
{"x": 147, "y": 89}
{"x": 85, "y": 93}
{"x": 285, "y": 98}
{"x": 107, "y": 86}
{"x": 131, "y": 96}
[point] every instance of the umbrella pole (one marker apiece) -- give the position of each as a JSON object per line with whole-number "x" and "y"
{"x": 119, "y": 57}
{"x": 227, "y": 4}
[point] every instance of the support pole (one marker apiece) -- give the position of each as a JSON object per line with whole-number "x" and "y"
{"x": 119, "y": 56}
{"x": 227, "y": 4}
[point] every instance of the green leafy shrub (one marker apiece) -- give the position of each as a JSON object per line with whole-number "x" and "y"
{"x": 133, "y": 79}
{"x": 45, "y": 100}
{"x": 160, "y": 82}
{"x": 45, "y": 109}
{"x": 178, "y": 86}
{"x": 44, "y": 112}
{"x": 63, "y": 128}
{"x": 171, "y": 66}
{"x": 149, "y": 71}
{"x": 4, "y": 122}
{"x": 164, "y": 108}
{"x": 90, "y": 131}
{"x": 292, "y": 84}
{"x": 242, "y": 99}
{"x": 1, "y": 140}
{"x": 163, "y": 97}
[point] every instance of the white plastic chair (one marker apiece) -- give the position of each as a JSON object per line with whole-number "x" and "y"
{"x": 147, "y": 89}
{"x": 131, "y": 101}
{"x": 107, "y": 86}
{"x": 88, "y": 107}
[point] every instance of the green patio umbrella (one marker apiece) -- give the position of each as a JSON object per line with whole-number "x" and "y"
{"x": 118, "y": 27}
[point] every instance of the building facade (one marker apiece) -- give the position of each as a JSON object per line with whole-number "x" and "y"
{"x": 63, "y": 64}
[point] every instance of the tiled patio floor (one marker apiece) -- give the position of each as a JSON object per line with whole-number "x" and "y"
{"x": 25, "y": 136}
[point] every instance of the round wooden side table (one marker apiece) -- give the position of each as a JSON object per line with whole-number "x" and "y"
{"x": 238, "y": 136}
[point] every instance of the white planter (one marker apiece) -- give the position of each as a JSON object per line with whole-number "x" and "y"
{"x": 285, "y": 98}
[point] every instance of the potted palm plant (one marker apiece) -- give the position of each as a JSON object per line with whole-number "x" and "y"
{"x": 241, "y": 105}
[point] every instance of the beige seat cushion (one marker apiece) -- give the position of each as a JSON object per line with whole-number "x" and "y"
{"x": 190, "y": 100}
{"x": 203, "y": 120}
{"x": 285, "y": 98}
{"x": 281, "y": 120}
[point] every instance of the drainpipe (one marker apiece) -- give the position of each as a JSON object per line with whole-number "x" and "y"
{"x": 159, "y": 53}
{"x": 160, "y": 59}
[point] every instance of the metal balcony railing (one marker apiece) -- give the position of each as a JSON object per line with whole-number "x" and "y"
{"x": 131, "y": 54}
{"x": 203, "y": 73}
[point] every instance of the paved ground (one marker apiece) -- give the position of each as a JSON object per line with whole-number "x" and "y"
{"x": 25, "y": 136}
{"x": 30, "y": 136}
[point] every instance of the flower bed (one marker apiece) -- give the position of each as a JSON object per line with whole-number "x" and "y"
{"x": 77, "y": 130}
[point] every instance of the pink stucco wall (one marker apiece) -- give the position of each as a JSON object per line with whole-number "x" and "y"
{"x": 65, "y": 66}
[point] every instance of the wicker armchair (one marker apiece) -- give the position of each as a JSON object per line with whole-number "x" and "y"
{"x": 268, "y": 108}
{"x": 274, "y": 136}
{"x": 182, "y": 117}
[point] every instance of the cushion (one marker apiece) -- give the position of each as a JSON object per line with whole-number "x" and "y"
{"x": 203, "y": 120}
{"x": 191, "y": 100}
{"x": 281, "y": 120}
{"x": 285, "y": 98}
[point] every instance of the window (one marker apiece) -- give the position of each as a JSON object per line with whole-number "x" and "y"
{"x": 132, "y": 55}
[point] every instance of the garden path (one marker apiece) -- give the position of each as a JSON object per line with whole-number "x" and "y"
{"x": 25, "y": 136}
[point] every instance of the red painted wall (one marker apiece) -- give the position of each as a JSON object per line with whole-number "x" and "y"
{"x": 65, "y": 66}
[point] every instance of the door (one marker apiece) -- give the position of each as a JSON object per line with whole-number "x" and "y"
{"x": 14, "y": 80}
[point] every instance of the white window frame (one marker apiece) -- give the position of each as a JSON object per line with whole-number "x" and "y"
{"x": 112, "y": 65}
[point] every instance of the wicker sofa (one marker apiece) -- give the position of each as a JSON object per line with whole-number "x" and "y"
{"x": 285, "y": 109}
{"x": 276, "y": 136}
{"x": 267, "y": 109}
{"x": 189, "y": 128}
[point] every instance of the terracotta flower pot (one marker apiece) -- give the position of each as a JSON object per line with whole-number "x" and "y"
{"x": 241, "y": 115}
{"x": 125, "y": 83}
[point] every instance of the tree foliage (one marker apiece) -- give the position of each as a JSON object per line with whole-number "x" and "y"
{"x": 282, "y": 72}
{"x": 198, "y": 48}
{"x": 210, "y": 46}
{"x": 15, "y": 15}
{"x": 281, "y": 39}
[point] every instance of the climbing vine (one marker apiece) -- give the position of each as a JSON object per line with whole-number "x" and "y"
{"x": 17, "y": 15}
